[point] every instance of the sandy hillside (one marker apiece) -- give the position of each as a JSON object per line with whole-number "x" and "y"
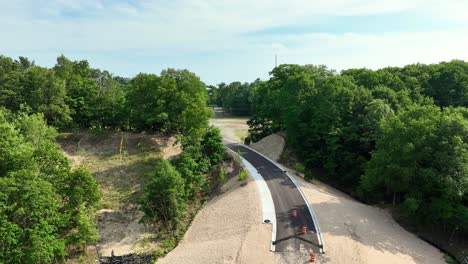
{"x": 227, "y": 230}
{"x": 121, "y": 180}
{"x": 357, "y": 233}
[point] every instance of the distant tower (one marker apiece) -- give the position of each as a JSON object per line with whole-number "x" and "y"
{"x": 276, "y": 60}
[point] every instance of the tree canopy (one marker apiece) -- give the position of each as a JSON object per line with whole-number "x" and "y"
{"x": 45, "y": 206}
{"x": 395, "y": 134}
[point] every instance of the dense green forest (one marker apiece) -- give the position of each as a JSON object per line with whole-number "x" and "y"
{"x": 395, "y": 135}
{"x": 236, "y": 98}
{"x": 46, "y": 207}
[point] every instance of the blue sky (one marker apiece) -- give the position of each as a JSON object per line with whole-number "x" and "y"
{"x": 224, "y": 41}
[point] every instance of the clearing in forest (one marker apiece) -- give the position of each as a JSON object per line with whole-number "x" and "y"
{"x": 122, "y": 175}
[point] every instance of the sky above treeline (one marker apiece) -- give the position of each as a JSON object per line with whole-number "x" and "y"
{"x": 234, "y": 40}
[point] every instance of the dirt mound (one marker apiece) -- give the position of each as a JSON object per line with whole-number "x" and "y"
{"x": 271, "y": 146}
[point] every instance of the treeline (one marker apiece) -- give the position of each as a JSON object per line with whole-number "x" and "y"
{"x": 236, "y": 98}
{"x": 46, "y": 207}
{"x": 74, "y": 95}
{"x": 395, "y": 135}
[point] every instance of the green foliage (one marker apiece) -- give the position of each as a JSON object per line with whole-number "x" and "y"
{"x": 44, "y": 205}
{"x": 193, "y": 166}
{"x": 212, "y": 145}
{"x": 236, "y": 98}
{"x": 243, "y": 174}
{"x": 169, "y": 243}
{"x": 175, "y": 102}
{"x": 46, "y": 93}
{"x": 159, "y": 252}
{"x": 377, "y": 133}
{"x": 299, "y": 167}
{"x": 421, "y": 160}
{"x": 74, "y": 95}
{"x": 222, "y": 175}
{"x": 164, "y": 198}
{"x": 29, "y": 220}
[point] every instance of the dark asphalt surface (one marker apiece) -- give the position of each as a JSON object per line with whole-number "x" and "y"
{"x": 286, "y": 198}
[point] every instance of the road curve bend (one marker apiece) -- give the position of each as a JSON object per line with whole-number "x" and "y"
{"x": 294, "y": 214}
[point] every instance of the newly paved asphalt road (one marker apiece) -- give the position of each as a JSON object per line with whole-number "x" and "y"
{"x": 286, "y": 199}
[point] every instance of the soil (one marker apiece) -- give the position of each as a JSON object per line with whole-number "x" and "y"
{"x": 233, "y": 129}
{"x": 271, "y": 146}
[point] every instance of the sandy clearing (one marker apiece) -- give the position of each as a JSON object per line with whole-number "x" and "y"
{"x": 227, "y": 230}
{"x": 121, "y": 181}
{"x": 232, "y": 129}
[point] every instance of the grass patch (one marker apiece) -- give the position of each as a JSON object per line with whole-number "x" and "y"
{"x": 243, "y": 174}
{"x": 222, "y": 175}
{"x": 80, "y": 152}
{"x": 168, "y": 243}
{"x": 299, "y": 167}
{"x": 241, "y": 134}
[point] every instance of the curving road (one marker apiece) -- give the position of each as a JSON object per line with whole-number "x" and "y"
{"x": 291, "y": 208}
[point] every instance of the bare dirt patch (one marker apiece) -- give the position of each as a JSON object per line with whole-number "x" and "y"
{"x": 357, "y": 233}
{"x": 233, "y": 129}
{"x": 271, "y": 146}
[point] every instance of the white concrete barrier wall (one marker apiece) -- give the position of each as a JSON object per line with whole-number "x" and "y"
{"x": 268, "y": 207}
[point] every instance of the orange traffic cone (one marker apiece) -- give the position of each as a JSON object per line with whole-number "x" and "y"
{"x": 312, "y": 257}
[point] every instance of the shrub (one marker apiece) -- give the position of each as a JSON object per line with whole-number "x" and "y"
{"x": 299, "y": 167}
{"x": 159, "y": 252}
{"x": 222, "y": 175}
{"x": 243, "y": 174}
{"x": 163, "y": 198}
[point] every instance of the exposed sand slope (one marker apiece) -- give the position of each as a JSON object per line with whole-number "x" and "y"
{"x": 227, "y": 230}
{"x": 357, "y": 233}
{"x": 121, "y": 180}
{"x": 271, "y": 146}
